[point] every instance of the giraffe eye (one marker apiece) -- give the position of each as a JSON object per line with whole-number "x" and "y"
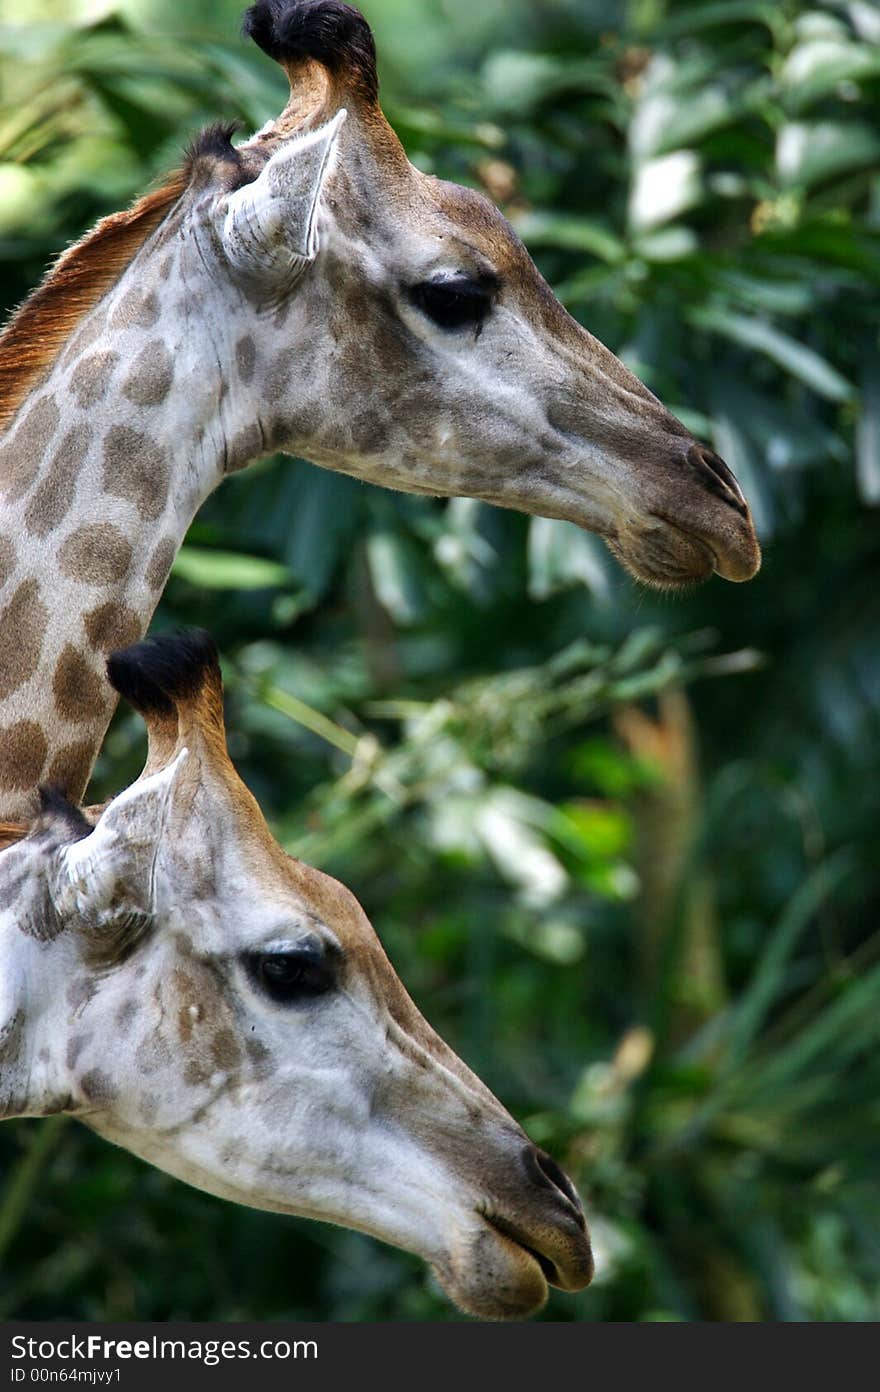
{"x": 290, "y": 977}
{"x": 453, "y": 304}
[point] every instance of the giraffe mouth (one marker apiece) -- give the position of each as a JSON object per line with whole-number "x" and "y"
{"x": 509, "y": 1233}
{"x": 505, "y": 1266}
{"x": 669, "y": 554}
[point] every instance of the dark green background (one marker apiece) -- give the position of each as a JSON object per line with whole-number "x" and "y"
{"x": 622, "y": 848}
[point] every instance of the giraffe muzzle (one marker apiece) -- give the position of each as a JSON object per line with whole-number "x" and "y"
{"x": 549, "y": 1226}
{"x": 530, "y": 1233}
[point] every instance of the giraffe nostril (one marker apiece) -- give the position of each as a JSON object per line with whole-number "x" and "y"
{"x": 718, "y": 477}
{"x": 546, "y": 1174}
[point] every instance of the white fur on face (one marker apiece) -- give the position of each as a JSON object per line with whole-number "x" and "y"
{"x": 343, "y": 1106}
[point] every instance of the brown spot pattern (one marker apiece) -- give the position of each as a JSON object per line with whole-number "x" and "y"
{"x": 96, "y": 554}
{"x": 303, "y": 426}
{"x": 80, "y": 991}
{"x": 111, "y": 626}
{"x": 51, "y": 502}
{"x": 278, "y": 379}
{"x": 246, "y": 358}
{"x": 185, "y": 987}
{"x": 22, "y": 629}
{"x": 78, "y": 690}
{"x": 71, "y": 767}
{"x": 91, "y": 329}
{"x": 149, "y": 1108}
{"x": 243, "y": 447}
{"x": 136, "y": 308}
{"x": 152, "y": 373}
{"x": 225, "y": 1050}
{"x": 75, "y": 1047}
{"x": 152, "y": 1053}
{"x": 21, "y": 453}
{"x": 126, "y": 1013}
{"x": 136, "y": 469}
{"x": 23, "y": 750}
{"x": 161, "y": 562}
{"x": 370, "y": 431}
{"x": 185, "y": 1024}
{"x": 97, "y": 1087}
{"x": 260, "y": 1057}
{"x": 91, "y": 377}
{"x": 195, "y": 1074}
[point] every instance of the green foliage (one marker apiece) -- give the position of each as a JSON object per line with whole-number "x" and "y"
{"x": 436, "y": 702}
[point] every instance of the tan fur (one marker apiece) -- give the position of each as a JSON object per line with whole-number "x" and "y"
{"x": 176, "y": 379}
{"x": 10, "y": 832}
{"x": 80, "y": 277}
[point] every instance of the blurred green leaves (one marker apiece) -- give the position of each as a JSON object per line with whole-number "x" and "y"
{"x": 428, "y": 698}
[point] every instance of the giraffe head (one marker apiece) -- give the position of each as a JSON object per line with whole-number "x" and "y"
{"x": 400, "y": 332}
{"x": 195, "y": 995}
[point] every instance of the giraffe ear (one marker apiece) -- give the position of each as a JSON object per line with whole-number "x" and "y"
{"x": 270, "y": 225}
{"x": 110, "y": 874}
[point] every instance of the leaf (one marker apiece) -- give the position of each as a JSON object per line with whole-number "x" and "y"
{"x": 562, "y": 555}
{"x": 828, "y": 241}
{"x": 774, "y": 295}
{"x": 228, "y": 570}
{"x": 693, "y": 19}
{"x": 802, "y": 362}
{"x": 664, "y": 188}
{"x": 600, "y": 765}
{"x": 20, "y": 197}
{"x": 515, "y": 81}
{"x": 592, "y": 830}
{"x": 144, "y": 125}
{"x": 814, "y": 68}
{"x": 782, "y": 438}
{"x": 848, "y": 1026}
{"x": 639, "y": 647}
{"x": 418, "y": 122}
{"x": 396, "y": 569}
{"x": 502, "y": 823}
{"x": 669, "y": 118}
{"x": 766, "y": 983}
{"x": 736, "y": 446}
{"x": 320, "y": 524}
{"x": 868, "y": 432}
{"x": 548, "y": 228}
{"x": 808, "y": 154}
{"x": 667, "y": 244}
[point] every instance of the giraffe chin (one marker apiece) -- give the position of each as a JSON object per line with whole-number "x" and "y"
{"x": 665, "y": 561}
{"x": 667, "y": 555}
{"x": 499, "y": 1281}
{"x": 493, "y": 1276}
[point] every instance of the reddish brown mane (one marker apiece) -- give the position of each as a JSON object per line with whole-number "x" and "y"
{"x": 79, "y": 278}
{"x": 10, "y": 832}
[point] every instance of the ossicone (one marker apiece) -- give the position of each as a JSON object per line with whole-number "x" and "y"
{"x": 156, "y": 675}
{"x": 173, "y": 681}
{"x": 328, "y": 32}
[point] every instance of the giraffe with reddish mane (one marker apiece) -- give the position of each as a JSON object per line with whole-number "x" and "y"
{"x": 306, "y": 291}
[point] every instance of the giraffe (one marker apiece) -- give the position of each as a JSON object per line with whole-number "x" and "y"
{"x": 306, "y": 291}
{"x": 172, "y": 978}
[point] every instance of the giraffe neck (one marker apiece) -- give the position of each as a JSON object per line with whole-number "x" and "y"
{"x": 101, "y": 473}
